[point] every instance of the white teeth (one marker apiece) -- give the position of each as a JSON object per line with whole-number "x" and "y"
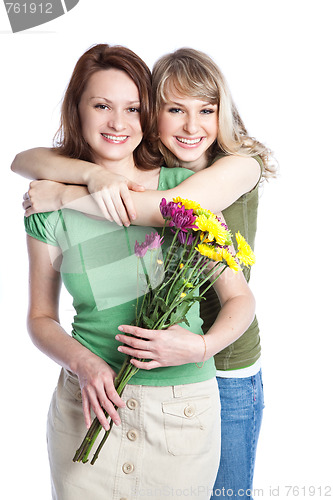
{"x": 188, "y": 141}
{"x": 115, "y": 138}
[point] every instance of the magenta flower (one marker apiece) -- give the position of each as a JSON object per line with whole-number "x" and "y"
{"x": 182, "y": 238}
{"x": 168, "y": 209}
{"x": 140, "y": 250}
{"x": 152, "y": 240}
{"x": 183, "y": 219}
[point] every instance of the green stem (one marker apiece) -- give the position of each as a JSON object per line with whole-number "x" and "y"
{"x": 82, "y": 453}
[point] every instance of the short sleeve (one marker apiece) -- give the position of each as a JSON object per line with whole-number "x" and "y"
{"x": 42, "y": 227}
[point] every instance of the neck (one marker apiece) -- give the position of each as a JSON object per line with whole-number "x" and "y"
{"x": 124, "y": 167}
{"x": 196, "y": 165}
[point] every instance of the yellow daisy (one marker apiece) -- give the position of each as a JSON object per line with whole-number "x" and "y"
{"x": 213, "y": 227}
{"x": 244, "y": 254}
{"x": 188, "y": 204}
{"x": 229, "y": 259}
{"x": 209, "y": 251}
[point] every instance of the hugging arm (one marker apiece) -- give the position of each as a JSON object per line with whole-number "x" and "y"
{"x": 116, "y": 198}
{"x": 73, "y": 181}
{"x": 94, "y": 374}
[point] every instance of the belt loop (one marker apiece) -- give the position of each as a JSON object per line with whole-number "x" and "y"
{"x": 177, "y": 391}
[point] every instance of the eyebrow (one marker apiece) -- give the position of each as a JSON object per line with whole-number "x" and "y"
{"x": 110, "y": 102}
{"x": 205, "y": 103}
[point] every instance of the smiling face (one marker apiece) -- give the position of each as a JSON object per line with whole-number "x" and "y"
{"x": 109, "y": 112}
{"x": 188, "y": 126}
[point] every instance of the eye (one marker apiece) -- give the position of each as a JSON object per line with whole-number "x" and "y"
{"x": 175, "y": 110}
{"x": 101, "y": 106}
{"x": 207, "y": 111}
{"x": 134, "y": 110}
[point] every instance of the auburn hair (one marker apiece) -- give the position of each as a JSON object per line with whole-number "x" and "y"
{"x": 69, "y": 140}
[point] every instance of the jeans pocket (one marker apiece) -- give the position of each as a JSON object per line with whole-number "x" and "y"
{"x": 72, "y": 386}
{"x": 187, "y": 425}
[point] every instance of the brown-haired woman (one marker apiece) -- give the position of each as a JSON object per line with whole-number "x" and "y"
{"x": 156, "y": 448}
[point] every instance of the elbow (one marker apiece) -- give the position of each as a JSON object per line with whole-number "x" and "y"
{"x": 15, "y": 166}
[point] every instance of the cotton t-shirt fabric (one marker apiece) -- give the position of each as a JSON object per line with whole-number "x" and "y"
{"x": 240, "y": 216}
{"x": 101, "y": 272}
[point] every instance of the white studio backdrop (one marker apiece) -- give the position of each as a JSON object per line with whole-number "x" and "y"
{"x": 276, "y": 57}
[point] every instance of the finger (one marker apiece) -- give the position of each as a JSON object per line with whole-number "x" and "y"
{"x": 133, "y": 186}
{"x": 26, "y": 196}
{"x": 86, "y": 410}
{"x": 110, "y": 207}
{"x": 97, "y": 408}
{"x": 136, "y": 343}
{"x": 137, "y": 353}
{"x": 119, "y": 207}
{"x": 137, "y": 331}
{"x": 101, "y": 205}
{"x": 29, "y": 211}
{"x": 145, "y": 365}
{"x": 26, "y": 204}
{"x": 128, "y": 204}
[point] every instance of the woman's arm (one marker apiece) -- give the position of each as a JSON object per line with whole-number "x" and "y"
{"x": 178, "y": 346}
{"x": 215, "y": 187}
{"x": 49, "y": 196}
{"x": 94, "y": 374}
{"x": 47, "y": 164}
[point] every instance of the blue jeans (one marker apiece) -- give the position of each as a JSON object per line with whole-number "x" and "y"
{"x": 242, "y": 404}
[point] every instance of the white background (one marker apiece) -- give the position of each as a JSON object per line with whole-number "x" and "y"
{"x": 277, "y": 58}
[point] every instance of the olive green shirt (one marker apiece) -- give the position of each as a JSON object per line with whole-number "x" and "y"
{"x": 240, "y": 216}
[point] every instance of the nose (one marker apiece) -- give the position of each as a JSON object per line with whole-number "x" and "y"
{"x": 191, "y": 125}
{"x": 116, "y": 120}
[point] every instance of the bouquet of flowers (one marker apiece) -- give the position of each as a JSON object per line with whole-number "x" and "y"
{"x": 200, "y": 251}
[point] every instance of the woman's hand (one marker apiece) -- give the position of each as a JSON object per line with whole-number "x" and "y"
{"x": 111, "y": 192}
{"x": 43, "y": 196}
{"x": 96, "y": 380}
{"x": 171, "y": 347}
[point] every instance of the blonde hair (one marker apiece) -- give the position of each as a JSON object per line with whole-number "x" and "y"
{"x": 192, "y": 73}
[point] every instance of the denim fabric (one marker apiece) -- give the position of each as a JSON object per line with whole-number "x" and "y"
{"x": 242, "y": 404}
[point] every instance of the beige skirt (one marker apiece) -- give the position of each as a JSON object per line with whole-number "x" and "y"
{"x": 167, "y": 446}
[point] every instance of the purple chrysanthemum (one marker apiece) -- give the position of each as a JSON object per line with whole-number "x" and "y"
{"x": 182, "y": 238}
{"x": 140, "y": 250}
{"x": 183, "y": 219}
{"x": 152, "y": 240}
{"x": 168, "y": 209}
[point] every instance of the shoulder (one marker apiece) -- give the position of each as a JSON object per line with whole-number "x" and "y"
{"x": 171, "y": 177}
{"x": 41, "y": 226}
{"x": 238, "y": 162}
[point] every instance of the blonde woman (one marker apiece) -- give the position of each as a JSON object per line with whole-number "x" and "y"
{"x": 198, "y": 127}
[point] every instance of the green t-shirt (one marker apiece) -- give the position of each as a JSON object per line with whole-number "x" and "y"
{"x": 240, "y": 216}
{"x": 101, "y": 272}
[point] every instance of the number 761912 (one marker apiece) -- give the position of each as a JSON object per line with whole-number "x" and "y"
{"x": 29, "y": 8}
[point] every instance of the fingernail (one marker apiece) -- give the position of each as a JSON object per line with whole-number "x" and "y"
{"x": 117, "y": 337}
{"x": 120, "y": 349}
{"x": 120, "y": 328}
{"x": 133, "y": 216}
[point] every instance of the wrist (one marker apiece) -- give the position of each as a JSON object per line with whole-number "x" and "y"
{"x": 66, "y": 195}
{"x": 89, "y": 170}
